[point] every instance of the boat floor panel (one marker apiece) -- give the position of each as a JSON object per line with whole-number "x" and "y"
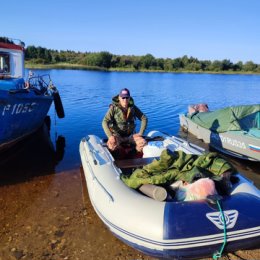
{"x": 134, "y": 163}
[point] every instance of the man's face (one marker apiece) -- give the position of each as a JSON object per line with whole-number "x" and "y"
{"x": 124, "y": 101}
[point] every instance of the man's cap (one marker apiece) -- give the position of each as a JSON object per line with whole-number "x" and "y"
{"x": 124, "y": 93}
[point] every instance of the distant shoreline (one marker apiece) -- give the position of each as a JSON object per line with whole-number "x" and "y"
{"x": 94, "y": 68}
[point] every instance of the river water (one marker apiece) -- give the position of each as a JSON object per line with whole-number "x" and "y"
{"x": 86, "y": 96}
{"x": 53, "y": 158}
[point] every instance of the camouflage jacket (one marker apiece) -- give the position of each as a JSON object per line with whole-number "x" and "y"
{"x": 174, "y": 166}
{"x": 118, "y": 122}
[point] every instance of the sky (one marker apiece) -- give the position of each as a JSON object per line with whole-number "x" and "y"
{"x": 203, "y": 29}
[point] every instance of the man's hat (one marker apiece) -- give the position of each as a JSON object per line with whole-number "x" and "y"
{"x": 124, "y": 93}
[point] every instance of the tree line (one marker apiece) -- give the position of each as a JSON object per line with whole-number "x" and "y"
{"x": 106, "y": 60}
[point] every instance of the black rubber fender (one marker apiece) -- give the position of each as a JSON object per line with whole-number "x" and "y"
{"x": 58, "y": 105}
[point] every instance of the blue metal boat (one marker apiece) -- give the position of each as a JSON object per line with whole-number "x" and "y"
{"x": 23, "y": 104}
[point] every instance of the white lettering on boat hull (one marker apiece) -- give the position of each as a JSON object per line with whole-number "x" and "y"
{"x": 18, "y": 108}
{"x": 230, "y": 141}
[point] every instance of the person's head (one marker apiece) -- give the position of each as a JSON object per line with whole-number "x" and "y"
{"x": 124, "y": 97}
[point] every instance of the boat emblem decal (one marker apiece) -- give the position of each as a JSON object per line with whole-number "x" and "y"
{"x": 229, "y": 215}
{"x": 254, "y": 148}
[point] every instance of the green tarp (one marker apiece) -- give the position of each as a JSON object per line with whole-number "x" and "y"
{"x": 173, "y": 166}
{"x": 234, "y": 118}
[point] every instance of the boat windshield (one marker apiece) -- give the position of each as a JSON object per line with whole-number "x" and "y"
{"x": 11, "y": 64}
{"x": 4, "y": 63}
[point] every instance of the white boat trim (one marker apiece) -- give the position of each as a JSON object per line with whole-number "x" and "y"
{"x": 184, "y": 242}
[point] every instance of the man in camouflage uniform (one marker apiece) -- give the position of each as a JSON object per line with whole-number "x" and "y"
{"x": 119, "y": 122}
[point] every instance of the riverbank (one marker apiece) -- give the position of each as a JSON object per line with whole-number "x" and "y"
{"x": 48, "y": 218}
{"x": 51, "y": 218}
{"x": 94, "y": 68}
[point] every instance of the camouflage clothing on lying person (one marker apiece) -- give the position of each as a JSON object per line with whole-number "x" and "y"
{"x": 173, "y": 166}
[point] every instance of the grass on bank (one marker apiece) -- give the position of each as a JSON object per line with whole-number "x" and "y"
{"x": 29, "y": 65}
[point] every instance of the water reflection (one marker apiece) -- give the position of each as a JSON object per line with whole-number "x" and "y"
{"x": 34, "y": 156}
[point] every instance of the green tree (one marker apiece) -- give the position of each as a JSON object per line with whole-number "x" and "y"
{"x": 31, "y": 53}
{"x": 177, "y": 64}
{"x": 147, "y": 61}
{"x": 205, "y": 64}
{"x": 184, "y": 61}
{"x": 136, "y": 63}
{"x": 115, "y": 61}
{"x": 249, "y": 66}
{"x": 160, "y": 63}
{"x": 6, "y": 40}
{"x": 168, "y": 65}
{"x": 216, "y": 65}
{"x": 125, "y": 61}
{"x": 227, "y": 65}
{"x": 99, "y": 59}
{"x": 238, "y": 66}
{"x": 193, "y": 66}
{"x": 105, "y": 59}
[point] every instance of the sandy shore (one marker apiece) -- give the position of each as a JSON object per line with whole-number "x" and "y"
{"x": 51, "y": 218}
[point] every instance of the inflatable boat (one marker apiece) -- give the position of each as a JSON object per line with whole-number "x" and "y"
{"x": 168, "y": 228}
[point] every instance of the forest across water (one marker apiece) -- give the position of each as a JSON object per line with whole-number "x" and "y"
{"x": 39, "y": 57}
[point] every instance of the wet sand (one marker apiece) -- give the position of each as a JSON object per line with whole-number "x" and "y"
{"x": 50, "y": 217}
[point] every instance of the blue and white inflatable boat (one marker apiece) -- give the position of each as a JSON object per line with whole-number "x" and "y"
{"x": 169, "y": 229}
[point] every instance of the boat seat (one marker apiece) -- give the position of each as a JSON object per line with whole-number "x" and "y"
{"x": 134, "y": 163}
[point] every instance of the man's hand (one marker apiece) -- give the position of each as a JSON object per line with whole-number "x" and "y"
{"x": 112, "y": 143}
{"x": 136, "y": 136}
{"x": 140, "y": 142}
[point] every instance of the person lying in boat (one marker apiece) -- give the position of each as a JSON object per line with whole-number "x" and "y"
{"x": 119, "y": 122}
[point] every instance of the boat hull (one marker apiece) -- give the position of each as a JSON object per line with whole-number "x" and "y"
{"x": 175, "y": 244}
{"x": 234, "y": 143}
{"x": 22, "y": 112}
{"x": 168, "y": 229}
{"x": 23, "y": 104}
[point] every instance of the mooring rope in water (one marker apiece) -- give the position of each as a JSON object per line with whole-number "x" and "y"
{"x": 218, "y": 254}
